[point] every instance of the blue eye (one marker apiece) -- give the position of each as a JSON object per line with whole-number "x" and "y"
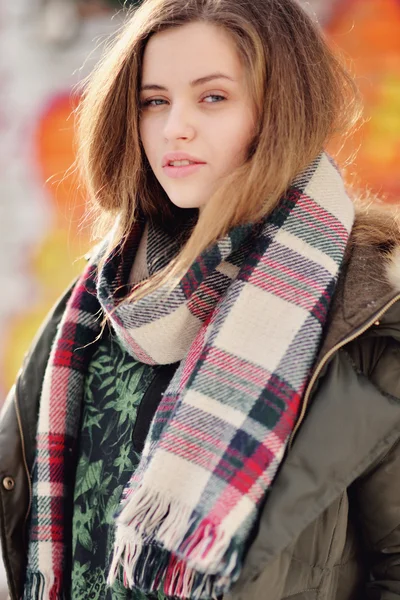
{"x": 150, "y": 102}
{"x": 219, "y": 98}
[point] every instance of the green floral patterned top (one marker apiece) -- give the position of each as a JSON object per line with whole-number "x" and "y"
{"x": 114, "y": 387}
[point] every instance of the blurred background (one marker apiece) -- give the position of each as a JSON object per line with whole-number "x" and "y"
{"x": 46, "y": 48}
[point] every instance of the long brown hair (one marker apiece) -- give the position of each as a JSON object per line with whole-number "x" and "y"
{"x": 302, "y": 93}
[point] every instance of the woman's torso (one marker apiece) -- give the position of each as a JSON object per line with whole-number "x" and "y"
{"x": 308, "y": 542}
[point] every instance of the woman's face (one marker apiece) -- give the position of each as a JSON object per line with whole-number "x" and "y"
{"x": 196, "y": 107}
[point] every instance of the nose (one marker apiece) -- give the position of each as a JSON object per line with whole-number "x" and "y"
{"x": 179, "y": 123}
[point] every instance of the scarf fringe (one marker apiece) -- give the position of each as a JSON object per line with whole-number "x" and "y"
{"x": 149, "y": 526}
{"x": 152, "y": 569}
{"x": 40, "y": 586}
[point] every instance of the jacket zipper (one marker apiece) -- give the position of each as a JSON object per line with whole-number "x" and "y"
{"x": 329, "y": 355}
{"x": 18, "y": 413}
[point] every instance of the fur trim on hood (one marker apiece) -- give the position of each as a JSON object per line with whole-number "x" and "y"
{"x": 377, "y": 224}
{"x": 393, "y": 268}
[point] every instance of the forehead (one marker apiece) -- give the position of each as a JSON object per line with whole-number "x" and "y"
{"x": 184, "y": 53}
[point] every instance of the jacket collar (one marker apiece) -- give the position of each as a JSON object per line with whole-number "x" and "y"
{"x": 369, "y": 281}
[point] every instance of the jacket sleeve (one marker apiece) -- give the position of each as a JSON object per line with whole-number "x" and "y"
{"x": 378, "y": 496}
{"x": 378, "y": 491}
{"x": 14, "y": 502}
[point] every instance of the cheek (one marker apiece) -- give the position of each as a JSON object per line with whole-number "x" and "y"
{"x": 236, "y": 139}
{"x": 147, "y": 138}
{"x": 245, "y": 128}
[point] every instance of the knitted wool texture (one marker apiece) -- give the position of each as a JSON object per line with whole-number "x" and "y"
{"x": 246, "y": 324}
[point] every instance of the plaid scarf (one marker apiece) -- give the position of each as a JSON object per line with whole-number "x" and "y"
{"x": 246, "y": 323}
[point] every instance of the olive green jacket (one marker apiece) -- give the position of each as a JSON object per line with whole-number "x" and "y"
{"x": 330, "y": 526}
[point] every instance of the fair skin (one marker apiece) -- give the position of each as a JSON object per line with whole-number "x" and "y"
{"x": 194, "y": 99}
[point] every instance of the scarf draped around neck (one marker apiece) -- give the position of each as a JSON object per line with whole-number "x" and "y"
{"x": 245, "y": 322}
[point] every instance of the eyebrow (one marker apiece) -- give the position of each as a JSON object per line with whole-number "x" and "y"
{"x": 195, "y": 82}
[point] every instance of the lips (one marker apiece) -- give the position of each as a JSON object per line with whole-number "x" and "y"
{"x": 172, "y": 157}
{"x": 183, "y": 171}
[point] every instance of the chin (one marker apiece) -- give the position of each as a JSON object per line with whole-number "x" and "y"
{"x": 187, "y": 203}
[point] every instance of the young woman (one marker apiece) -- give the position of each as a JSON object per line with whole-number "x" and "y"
{"x": 213, "y": 409}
